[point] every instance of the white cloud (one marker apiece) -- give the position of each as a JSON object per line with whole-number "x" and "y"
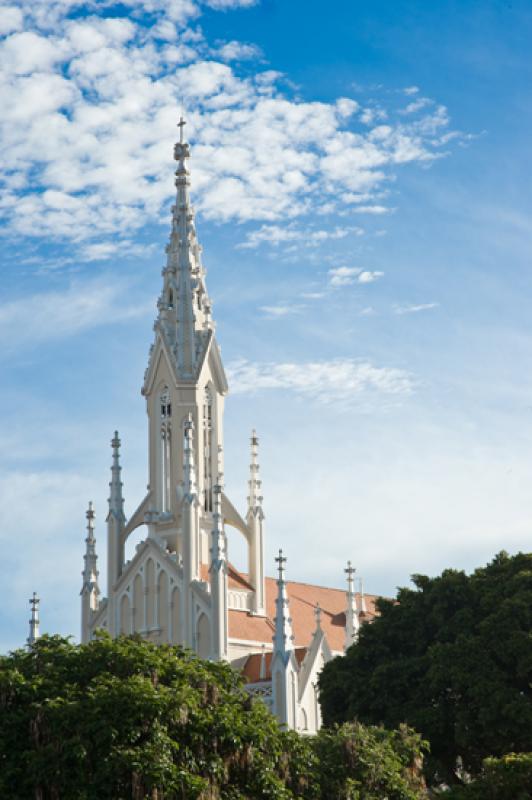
{"x": 414, "y": 309}
{"x": 53, "y": 315}
{"x": 237, "y": 51}
{"x": 325, "y": 381}
{"x": 345, "y": 276}
{"x": 11, "y": 19}
{"x": 89, "y": 110}
{"x": 374, "y": 209}
{"x": 367, "y": 276}
{"x": 410, "y": 90}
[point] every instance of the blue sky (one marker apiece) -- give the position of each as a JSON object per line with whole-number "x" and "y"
{"x": 361, "y": 177}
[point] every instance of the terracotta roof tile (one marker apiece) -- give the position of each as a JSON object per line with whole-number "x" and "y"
{"x": 302, "y": 603}
{"x": 251, "y": 670}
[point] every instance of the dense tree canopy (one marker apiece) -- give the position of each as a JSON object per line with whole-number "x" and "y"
{"x": 452, "y": 658}
{"x": 124, "y": 718}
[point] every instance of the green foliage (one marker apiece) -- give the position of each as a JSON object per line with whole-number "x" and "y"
{"x": 124, "y": 718}
{"x": 506, "y": 778}
{"x": 453, "y": 659}
{"x": 369, "y": 763}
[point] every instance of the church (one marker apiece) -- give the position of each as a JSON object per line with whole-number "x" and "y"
{"x": 180, "y": 587}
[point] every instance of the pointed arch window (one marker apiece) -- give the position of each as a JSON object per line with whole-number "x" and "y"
{"x": 165, "y": 449}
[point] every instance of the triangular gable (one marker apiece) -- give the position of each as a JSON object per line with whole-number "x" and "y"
{"x": 312, "y": 662}
{"x": 148, "y": 548}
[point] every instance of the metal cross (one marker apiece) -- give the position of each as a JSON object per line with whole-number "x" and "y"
{"x": 281, "y": 560}
{"x": 181, "y": 124}
{"x": 350, "y": 572}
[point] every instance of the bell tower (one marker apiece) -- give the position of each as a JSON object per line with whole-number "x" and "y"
{"x": 185, "y": 383}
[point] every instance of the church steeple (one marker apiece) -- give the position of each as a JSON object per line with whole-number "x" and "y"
{"x": 184, "y": 306}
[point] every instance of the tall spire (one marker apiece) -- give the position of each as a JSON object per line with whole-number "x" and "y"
{"x": 34, "y": 621}
{"x": 254, "y": 483}
{"x": 352, "y": 622}
{"x": 184, "y": 306}
{"x": 116, "y": 500}
{"x": 90, "y": 572}
{"x": 283, "y": 639}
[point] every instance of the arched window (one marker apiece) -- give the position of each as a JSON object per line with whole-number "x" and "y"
{"x": 207, "y": 450}
{"x": 170, "y": 299}
{"x": 166, "y": 435}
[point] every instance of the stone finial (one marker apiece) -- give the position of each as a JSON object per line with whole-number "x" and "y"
{"x": 317, "y": 615}
{"x": 280, "y": 560}
{"x": 254, "y": 483}
{"x": 218, "y": 548}
{"x": 283, "y": 639}
{"x": 189, "y": 469}
{"x": 116, "y": 500}
{"x": 352, "y": 621}
{"x": 34, "y": 633}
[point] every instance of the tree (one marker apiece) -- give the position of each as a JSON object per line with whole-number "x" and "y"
{"x": 123, "y": 718}
{"x": 127, "y": 719}
{"x": 506, "y": 778}
{"x": 453, "y": 659}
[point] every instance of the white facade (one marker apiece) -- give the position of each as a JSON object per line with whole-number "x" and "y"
{"x": 180, "y": 587}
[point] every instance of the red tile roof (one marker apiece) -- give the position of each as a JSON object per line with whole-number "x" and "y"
{"x": 302, "y": 599}
{"x": 251, "y": 670}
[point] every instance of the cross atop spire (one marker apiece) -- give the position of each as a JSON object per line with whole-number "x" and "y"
{"x": 280, "y": 560}
{"x": 181, "y": 124}
{"x": 350, "y": 572}
{"x": 184, "y": 319}
{"x": 34, "y": 621}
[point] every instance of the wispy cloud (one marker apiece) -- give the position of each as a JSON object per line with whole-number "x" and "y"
{"x": 53, "y": 315}
{"x": 325, "y": 381}
{"x": 414, "y": 309}
{"x": 275, "y": 235}
{"x": 345, "y": 276}
{"x": 274, "y": 312}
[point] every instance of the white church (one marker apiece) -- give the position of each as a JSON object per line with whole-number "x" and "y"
{"x": 180, "y": 587}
